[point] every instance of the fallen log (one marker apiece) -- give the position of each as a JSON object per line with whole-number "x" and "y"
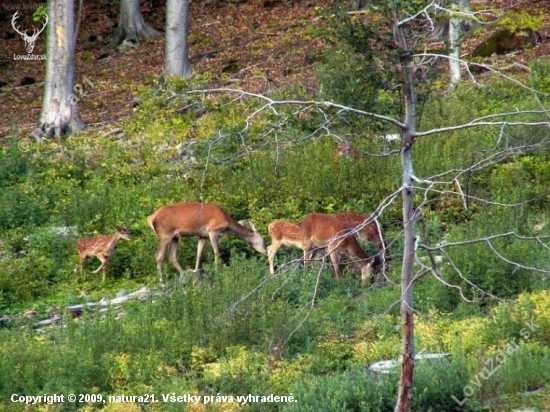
{"x": 105, "y": 303}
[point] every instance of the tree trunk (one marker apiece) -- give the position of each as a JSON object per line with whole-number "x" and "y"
{"x": 60, "y": 113}
{"x": 131, "y": 25}
{"x": 409, "y": 223}
{"x": 177, "y": 48}
{"x": 455, "y": 40}
{"x": 454, "y": 55}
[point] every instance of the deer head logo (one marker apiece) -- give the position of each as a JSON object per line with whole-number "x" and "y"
{"x": 29, "y": 40}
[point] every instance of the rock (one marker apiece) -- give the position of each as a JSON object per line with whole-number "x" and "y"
{"x": 504, "y": 41}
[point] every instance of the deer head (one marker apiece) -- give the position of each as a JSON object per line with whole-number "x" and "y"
{"x": 29, "y": 40}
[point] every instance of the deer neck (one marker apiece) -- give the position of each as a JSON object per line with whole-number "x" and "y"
{"x": 239, "y": 231}
{"x": 362, "y": 259}
{"x": 111, "y": 244}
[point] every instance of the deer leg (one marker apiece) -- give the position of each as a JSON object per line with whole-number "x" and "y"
{"x": 214, "y": 240}
{"x": 308, "y": 256}
{"x": 366, "y": 272}
{"x": 81, "y": 259}
{"x": 172, "y": 249}
{"x": 271, "y": 252}
{"x": 200, "y": 249}
{"x": 159, "y": 257}
{"x": 103, "y": 260}
{"x": 335, "y": 262}
{"x": 308, "y": 249}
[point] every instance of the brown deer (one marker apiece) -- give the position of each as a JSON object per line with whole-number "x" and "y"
{"x": 369, "y": 230}
{"x": 101, "y": 247}
{"x": 320, "y": 230}
{"x": 205, "y": 220}
{"x": 345, "y": 150}
{"x": 283, "y": 233}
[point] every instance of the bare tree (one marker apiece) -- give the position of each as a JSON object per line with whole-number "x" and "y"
{"x": 60, "y": 113}
{"x": 131, "y": 25}
{"x": 405, "y": 36}
{"x": 176, "y": 59}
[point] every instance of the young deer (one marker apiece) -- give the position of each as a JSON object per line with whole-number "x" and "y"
{"x": 369, "y": 230}
{"x": 320, "y": 230}
{"x": 101, "y": 247}
{"x": 344, "y": 150}
{"x": 205, "y": 220}
{"x": 283, "y": 233}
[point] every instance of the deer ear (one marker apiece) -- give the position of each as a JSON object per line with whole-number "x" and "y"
{"x": 252, "y": 226}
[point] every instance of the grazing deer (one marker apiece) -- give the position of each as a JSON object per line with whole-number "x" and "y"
{"x": 344, "y": 150}
{"x": 101, "y": 247}
{"x": 369, "y": 230}
{"x": 205, "y": 220}
{"x": 283, "y": 233}
{"x": 320, "y": 230}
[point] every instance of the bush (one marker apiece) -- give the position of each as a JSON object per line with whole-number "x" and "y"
{"x": 356, "y": 390}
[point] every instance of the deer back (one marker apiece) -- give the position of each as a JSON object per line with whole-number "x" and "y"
{"x": 327, "y": 230}
{"x": 102, "y": 244}
{"x": 189, "y": 219}
{"x": 201, "y": 219}
{"x": 94, "y": 244}
{"x": 353, "y": 220}
{"x": 321, "y": 229}
{"x": 286, "y": 233}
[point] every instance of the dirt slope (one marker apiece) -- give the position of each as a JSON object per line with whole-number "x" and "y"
{"x": 254, "y": 44}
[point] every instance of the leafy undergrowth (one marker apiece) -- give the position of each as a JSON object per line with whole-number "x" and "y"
{"x": 225, "y": 336}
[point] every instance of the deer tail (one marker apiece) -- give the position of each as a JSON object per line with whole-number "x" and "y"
{"x": 152, "y": 222}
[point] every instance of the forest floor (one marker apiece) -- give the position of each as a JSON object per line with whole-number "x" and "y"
{"x": 246, "y": 44}
{"x": 256, "y": 45}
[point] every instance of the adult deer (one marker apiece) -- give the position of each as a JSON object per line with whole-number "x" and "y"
{"x": 368, "y": 229}
{"x": 283, "y": 233}
{"x": 320, "y": 230}
{"x": 101, "y": 247}
{"x": 205, "y": 220}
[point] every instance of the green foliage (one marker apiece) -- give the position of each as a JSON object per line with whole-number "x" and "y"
{"x": 540, "y": 74}
{"x": 357, "y": 390}
{"x": 13, "y": 165}
{"x": 357, "y": 72}
{"x": 520, "y": 22}
{"x": 38, "y": 13}
{"x": 350, "y": 391}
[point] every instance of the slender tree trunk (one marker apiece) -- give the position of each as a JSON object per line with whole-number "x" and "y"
{"x": 177, "y": 48}
{"x": 131, "y": 25}
{"x": 409, "y": 218}
{"x": 454, "y": 55}
{"x": 60, "y": 113}
{"x": 455, "y": 40}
